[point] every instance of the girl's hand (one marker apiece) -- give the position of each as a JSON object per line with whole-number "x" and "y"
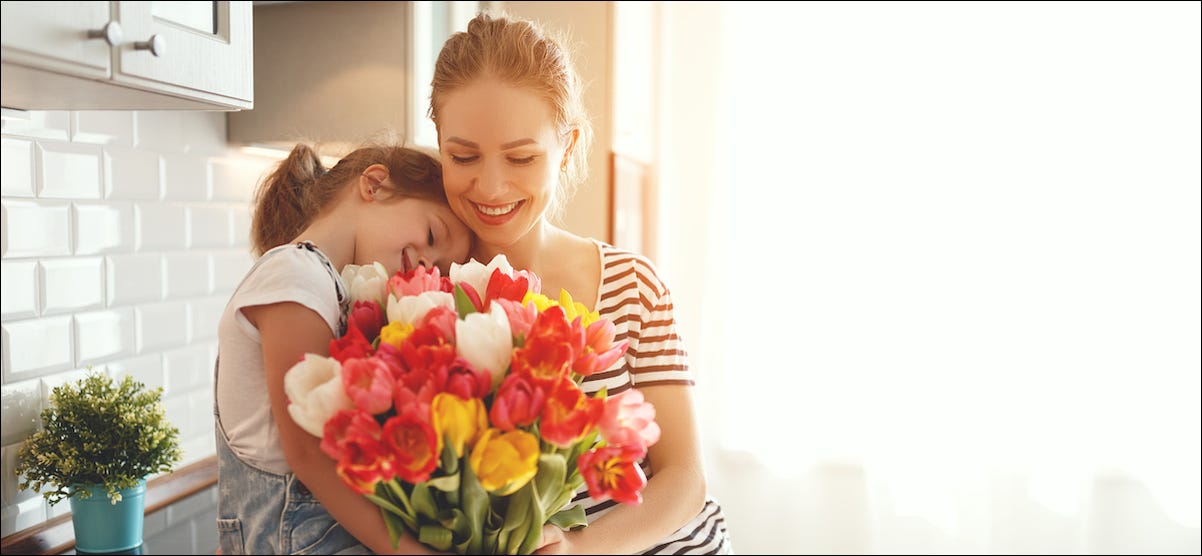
{"x": 554, "y": 541}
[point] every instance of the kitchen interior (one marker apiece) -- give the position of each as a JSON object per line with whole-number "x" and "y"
{"x": 134, "y": 134}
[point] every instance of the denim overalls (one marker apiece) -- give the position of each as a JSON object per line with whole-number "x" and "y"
{"x": 259, "y": 512}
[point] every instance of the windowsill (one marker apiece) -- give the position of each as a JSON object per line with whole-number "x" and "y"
{"x": 57, "y": 535}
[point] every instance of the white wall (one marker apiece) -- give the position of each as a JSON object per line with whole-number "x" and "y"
{"x": 124, "y": 234}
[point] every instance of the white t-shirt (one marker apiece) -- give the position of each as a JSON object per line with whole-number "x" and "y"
{"x": 295, "y": 272}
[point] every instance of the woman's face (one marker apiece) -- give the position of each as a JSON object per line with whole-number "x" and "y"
{"x": 405, "y": 233}
{"x": 501, "y": 159}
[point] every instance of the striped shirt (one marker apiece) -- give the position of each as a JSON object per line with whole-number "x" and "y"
{"x": 633, "y": 297}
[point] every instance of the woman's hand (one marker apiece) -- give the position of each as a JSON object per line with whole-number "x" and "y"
{"x": 554, "y": 541}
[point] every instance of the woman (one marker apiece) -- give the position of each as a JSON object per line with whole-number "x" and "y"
{"x": 513, "y": 135}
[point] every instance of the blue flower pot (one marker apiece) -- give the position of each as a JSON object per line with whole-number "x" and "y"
{"x": 101, "y": 526}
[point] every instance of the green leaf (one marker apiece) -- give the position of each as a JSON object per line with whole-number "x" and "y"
{"x": 447, "y": 483}
{"x": 385, "y": 504}
{"x": 538, "y": 517}
{"x": 396, "y": 528}
{"x": 450, "y": 461}
{"x": 423, "y": 502}
{"x": 492, "y": 543}
{"x": 518, "y": 508}
{"x": 569, "y": 518}
{"x": 398, "y": 493}
{"x": 436, "y": 536}
{"x": 463, "y": 303}
{"x": 552, "y": 469}
{"x": 474, "y": 501}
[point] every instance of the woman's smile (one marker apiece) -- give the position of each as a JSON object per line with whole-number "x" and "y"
{"x": 495, "y": 215}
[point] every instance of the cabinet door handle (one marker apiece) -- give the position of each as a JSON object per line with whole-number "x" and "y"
{"x": 111, "y": 33}
{"x": 157, "y": 45}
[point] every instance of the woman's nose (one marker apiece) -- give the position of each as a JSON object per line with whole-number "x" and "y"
{"x": 491, "y": 182}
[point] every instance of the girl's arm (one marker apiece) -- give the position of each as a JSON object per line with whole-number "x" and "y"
{"x": 288, "y": 331}
{"x": 674, "y": 494}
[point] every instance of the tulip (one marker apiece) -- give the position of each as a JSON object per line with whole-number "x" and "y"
{"x": 544, "y": 361}
{"x": 395, "y": 333}
{"x": 369, "y": 383}
{"x": 573, "y": 309}
{"x": 368, "y": 317}
{"x": 569, "y": 414}
{"x": 485, "y": 341}
{"x": 517, "y": 404}
{"x": 457, "y": 421}
{"x": 504, "y": 286}
{"x": 314, "y": 389}
{"x": 478, "y": 274}
{"x": 364, "y": 463}
{"x": 352, "y": 345}
{"x": 366, "y": 282}
{"x": 411, "y": 308}
{"x": 505, "y": 461}
{"x": 347, "y": 424}
{"x": 628, "y": 420}
{"x": 415, "y": 282}
{"x": 414, "y": 445}
{"x": 599, "y": 350}
{"x": 461, "y": 379}
{"x": 520, "y": 317}
{"x": 613, "y": 472}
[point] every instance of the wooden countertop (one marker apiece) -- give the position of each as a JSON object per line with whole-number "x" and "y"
{"x": 57, "y": 535}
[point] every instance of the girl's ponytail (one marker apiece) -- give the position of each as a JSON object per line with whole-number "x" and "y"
{"x": 287, "y": 200}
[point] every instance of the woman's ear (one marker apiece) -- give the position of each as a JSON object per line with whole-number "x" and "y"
{"x": 371, "y": 181}
{"x": 567, "y": 152}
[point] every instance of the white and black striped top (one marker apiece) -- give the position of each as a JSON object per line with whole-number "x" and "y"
{"x": 640, "y": 306}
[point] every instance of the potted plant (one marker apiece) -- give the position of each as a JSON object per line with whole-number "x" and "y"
{"x": 98, "y": 443}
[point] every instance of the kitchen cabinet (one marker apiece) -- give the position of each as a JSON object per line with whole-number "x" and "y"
{"x": 342, "y": 73}
{"x": 127, "y": 55}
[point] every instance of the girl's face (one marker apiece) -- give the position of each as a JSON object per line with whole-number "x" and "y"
{"x": 405, "y": 233}
{"x": 501, "y": 159}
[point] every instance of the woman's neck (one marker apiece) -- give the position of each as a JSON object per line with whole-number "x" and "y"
{"x": 533, "y": 251}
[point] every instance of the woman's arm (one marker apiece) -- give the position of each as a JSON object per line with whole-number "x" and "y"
{"x": 674, "y": 494}
{"x": 288, "y": 331}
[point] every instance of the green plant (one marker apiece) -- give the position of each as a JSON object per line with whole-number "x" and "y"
{"x": 96, "y": 432}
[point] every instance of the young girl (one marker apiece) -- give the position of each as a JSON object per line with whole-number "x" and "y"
{"x": 278, "y": 493}
{"x": 513, "y": 132}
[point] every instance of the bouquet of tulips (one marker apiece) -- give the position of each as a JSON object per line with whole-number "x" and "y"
{"x": 454, "y": 404}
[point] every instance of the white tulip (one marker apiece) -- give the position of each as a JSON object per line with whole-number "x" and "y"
{"x": 366, "y": 282}
{"x": 411, "y": 308}
{"x": 314, "y": 388}
{"x": 485, "y": 341}
{"x": 478, "y": 274}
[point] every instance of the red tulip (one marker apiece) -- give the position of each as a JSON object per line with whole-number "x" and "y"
{"x": 613, "y": 472}
{"x": 517, "y": 404}
{"x": 569, "y": 414}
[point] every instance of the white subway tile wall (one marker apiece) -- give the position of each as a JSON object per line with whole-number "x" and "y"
{"x": 124, "y": 234}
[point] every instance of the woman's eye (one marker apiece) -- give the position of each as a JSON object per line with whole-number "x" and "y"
{"x": 463, "y": 159}
{"x": 430, "y": 236}
{"x": 521, "y": 161}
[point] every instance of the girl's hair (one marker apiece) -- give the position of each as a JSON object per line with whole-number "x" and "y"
{"x": 524, "y": 55}
{"x": 300, "y": 187}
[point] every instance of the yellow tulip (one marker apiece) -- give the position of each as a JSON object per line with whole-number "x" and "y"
{"x": 395, "y": 333}
{"x": 457, "y": 421}
{"x": 505, "y": 461}
{"x": 540, "y": 301}
{"x": 573, "y": 309}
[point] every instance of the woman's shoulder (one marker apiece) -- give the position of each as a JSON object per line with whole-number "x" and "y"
{"x": 620, "y": 266}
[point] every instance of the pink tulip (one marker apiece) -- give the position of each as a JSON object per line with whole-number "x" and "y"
{"x": 628, "y": 420}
